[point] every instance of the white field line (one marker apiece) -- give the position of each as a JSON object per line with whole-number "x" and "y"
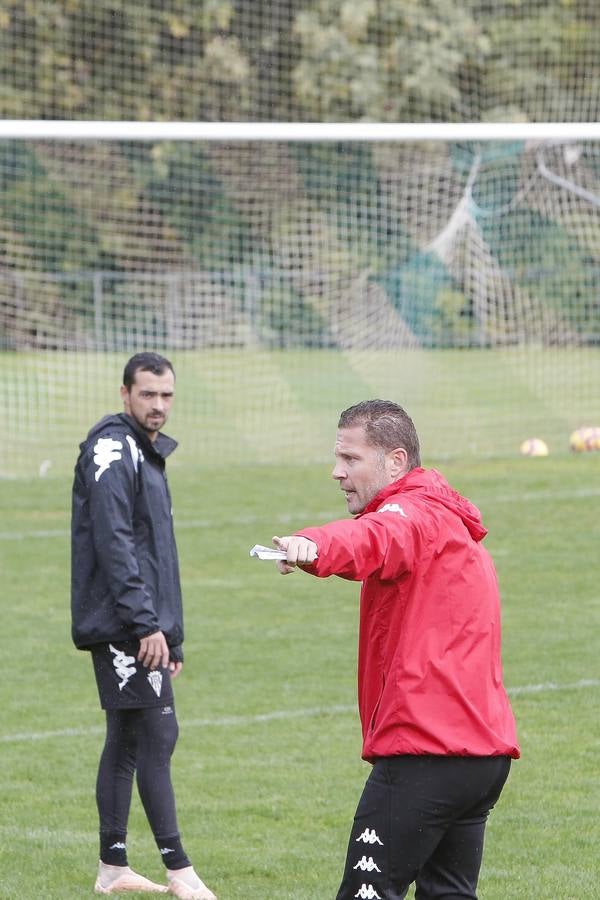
{"x": 296, "y": 520}
{"x": 552, "y": 686}
{"x": 299, "y": 518}
{"x": 276, "y": 715}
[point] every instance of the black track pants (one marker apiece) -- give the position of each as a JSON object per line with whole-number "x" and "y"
{"x": 138, "y": 742}
{"x": 422, "y": 819}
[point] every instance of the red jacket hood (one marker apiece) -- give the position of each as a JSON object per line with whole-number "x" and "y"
{"x": 432, "y": 483}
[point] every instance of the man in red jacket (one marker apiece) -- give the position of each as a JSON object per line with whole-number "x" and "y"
{"x": 436, "y": 721}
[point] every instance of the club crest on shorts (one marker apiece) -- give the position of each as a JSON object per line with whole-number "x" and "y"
{"x": 155, "y": 678}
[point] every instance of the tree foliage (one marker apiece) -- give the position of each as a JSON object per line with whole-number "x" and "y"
{"x": 385, "y": 60}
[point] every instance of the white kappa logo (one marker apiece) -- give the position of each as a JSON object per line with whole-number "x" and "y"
{"x": 369, "y": 836}
{"x": 368, "y": 893}
{"x": 137, "y": 456}
{"x": 106, "y": 451}
{"x": 367, "y": 865}
{"x": 393, "y": 507}
{"x": 124, "y": 665}
{"x": 155, "y": 679}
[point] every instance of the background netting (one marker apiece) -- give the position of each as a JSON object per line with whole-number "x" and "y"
{"x": 288, "y": 280}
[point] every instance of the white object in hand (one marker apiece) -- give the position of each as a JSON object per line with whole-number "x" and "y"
{"x": 267, "y": 552}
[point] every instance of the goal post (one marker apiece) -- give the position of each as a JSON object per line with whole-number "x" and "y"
{"x": 291, "y": 269}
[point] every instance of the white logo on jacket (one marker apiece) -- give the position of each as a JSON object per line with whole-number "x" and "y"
{"x": 106, "y": 451}
{"x": 137, "y": 456}
{"x": 393, "y": 507}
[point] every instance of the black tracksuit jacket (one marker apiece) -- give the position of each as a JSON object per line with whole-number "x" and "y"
{"x": 124, "y": 566}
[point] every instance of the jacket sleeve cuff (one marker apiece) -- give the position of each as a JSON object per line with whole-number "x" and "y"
{"x": 145, "y": 632}
{"x": 176, "y": 653}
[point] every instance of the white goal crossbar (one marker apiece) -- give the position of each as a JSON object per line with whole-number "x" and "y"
{"x": 83, "y": 130}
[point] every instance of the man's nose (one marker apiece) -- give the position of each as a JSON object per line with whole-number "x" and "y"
{"x": 338, "y": 472}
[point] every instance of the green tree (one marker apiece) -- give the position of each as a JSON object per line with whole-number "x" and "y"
{"x": 398, "y": 60}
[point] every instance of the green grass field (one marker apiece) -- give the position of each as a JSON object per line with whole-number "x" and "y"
{"x": 267, "y": 769}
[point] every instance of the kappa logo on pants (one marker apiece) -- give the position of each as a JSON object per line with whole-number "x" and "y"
{"x": 367, "y": 865}
{"x": 369, "y": 836}
{"x": 367, "y": 892}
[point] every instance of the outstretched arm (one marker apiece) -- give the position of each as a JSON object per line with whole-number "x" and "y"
{"x": 384, "y": 542}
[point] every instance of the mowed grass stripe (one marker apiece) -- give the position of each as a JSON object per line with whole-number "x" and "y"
{"x": 542, "y": 496}
{"x": 253, "y": 406}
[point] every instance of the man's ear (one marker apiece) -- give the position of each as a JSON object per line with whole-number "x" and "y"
{"x": 125, "y": 397}
{"x": 398, "y": 463}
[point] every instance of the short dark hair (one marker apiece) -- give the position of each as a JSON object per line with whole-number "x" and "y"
{"x": 387, "y": 425}
{"x": 145, "y": 362}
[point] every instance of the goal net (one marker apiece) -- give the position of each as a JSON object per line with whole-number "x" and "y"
{"x": 290, "y": 275}
{"x": 289, "y": 280}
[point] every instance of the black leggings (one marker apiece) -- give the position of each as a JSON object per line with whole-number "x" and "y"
{"x": 422, "y": 819}
{"x": 141, "y": 742}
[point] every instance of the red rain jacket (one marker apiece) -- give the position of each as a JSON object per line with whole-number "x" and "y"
{"x": 429, "y": 659}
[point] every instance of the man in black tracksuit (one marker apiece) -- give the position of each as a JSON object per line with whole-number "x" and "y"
{"x": 127, "y": 611}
